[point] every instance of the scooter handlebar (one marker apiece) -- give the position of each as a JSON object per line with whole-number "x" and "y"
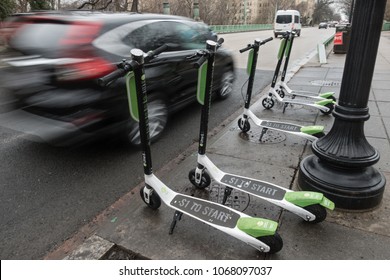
{"x": 151, "y": 54}
{"x": 125, "y": 66}
{"x": 220, "y": 41}
{"x": 250, "y": 46}
{"x": 247, "y": 48}
{"x": 105, "y": 80}
{"x": 205, "y": 54}
{"x": 266, "y": 40}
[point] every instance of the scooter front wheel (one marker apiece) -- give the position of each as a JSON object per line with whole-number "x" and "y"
{"x": 274, "y": 242}
{"x": 268, "y": 103}
{"x": 154, "y": 200}
{"x": 204, "y": 181}
{"x": 319, "y": 211}
{"x": 246, "y": 127}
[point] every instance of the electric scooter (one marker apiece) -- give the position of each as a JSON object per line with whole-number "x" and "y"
{"x": 325, "y": 106}
{"x": 284, "y": 89}
{"x": 310, "y": 206}
{"x": 256, "y": 232}
{"x": 310, "y": 133}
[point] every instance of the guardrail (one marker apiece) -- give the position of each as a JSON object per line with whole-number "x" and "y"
{"x": 386, "y": 26}
{"x": 321, "y": 48}
{"x": 240, "y": 28}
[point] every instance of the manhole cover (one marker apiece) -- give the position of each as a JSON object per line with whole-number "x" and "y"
{"x": 215, "y": 192}
{"x": 269, "y": 137}
{"x": 326, "y": 83}
{"x": 237, "y": 200}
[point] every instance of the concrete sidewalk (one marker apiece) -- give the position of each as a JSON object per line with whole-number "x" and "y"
{"x": 130, "y": 230}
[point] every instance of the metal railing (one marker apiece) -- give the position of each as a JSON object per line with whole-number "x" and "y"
{"x": 386, "y": 26}
{"x": 240, "y": 28}
{"x": 321, "y": 49}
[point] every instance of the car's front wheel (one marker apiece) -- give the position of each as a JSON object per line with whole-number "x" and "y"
{"x": 226, "y": 87}
{"x": 158, "y": 118}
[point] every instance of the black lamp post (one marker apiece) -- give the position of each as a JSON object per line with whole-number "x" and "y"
{"x": 342, "y": 164}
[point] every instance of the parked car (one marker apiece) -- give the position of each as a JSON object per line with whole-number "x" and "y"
{"x": 52, "y": 63}
{"x": 323, "y": 25}
{"x": 332, "y": 23}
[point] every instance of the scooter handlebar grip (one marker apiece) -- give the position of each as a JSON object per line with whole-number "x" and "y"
{"x": 157, "y": 51}
{"x": 220, "y": 41}
{"x": 245, "y": 49}
{"x": 103, "y": 81}
{"x": 266, "y": 40}
{"x": 200, "y": 61}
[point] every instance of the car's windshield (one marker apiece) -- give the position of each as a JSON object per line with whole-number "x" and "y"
{"x": 284, "y": 19}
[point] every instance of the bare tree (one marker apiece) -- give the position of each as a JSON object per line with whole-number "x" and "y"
{"x": 182, "y": 7}
{"x": 152, "y": 6}
{"x": 134, "y": 6}
{"x": 387, "y": 11}
{"x": 95, "y": 4}
{"x": 323, "y": 11}
{"x": 345, "y": 7}
{"x": 303, "y": 9}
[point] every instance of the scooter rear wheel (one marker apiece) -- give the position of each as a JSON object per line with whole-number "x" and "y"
{"x": 154, "y": 199}
{"x": 274, "y": 242}
{"x": 319, "y": 134}
{"x": 330, "y": 106}
{"x": 246, "y": 127}
{"x": 319, "y": 211}
{"x": 204, "y": 181}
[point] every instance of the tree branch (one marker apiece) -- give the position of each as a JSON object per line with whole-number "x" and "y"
{"x": 92, "y": 3}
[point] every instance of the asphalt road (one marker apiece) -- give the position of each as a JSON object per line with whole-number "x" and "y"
{"x": 48, "y": 193}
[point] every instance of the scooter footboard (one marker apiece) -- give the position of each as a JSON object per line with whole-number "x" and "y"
{"x": 206, "y": 211}
{"x": 288, "y": 127}
{"x": 255, "y": 187}
{"x": 230, "y": 221}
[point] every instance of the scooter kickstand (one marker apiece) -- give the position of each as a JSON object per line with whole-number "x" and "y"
{"x": 226, "y": 194}
{"x": 176, "y": 218}
{"x": 263, "y": 131}
{"x": 285, "y": 106}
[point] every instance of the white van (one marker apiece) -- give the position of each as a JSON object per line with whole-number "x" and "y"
{"x": 287, "y": 20}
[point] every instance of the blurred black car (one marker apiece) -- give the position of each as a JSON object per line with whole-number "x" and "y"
{"x": 51, "y": 63}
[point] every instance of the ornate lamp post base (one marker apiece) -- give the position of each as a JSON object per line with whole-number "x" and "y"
{"x": 352, "y": 189}
{"x": 342, "y": 164}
